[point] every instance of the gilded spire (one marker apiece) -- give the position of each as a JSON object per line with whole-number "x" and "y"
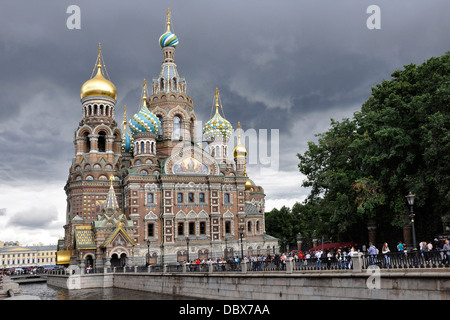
{"x": 124, "y": 117}
{"x": 144, "y": 93}
{"x": 217, "y": 100}
{"x": 168, "y": 19}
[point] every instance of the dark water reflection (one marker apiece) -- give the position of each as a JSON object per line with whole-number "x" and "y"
{"x": 45, "y": 292}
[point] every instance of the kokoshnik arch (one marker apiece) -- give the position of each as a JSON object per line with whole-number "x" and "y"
{"x": 141, "y": 191}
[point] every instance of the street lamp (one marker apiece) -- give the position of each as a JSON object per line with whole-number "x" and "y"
{"x": 148, "y": 252}
{"x": 410, "y": 198}
{"x": 299, "y": 241}
{"x": 241, "y": 233}
{"x": 187, "y": 254}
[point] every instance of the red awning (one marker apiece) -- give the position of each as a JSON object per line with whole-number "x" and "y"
{"x": 336, "y": 245}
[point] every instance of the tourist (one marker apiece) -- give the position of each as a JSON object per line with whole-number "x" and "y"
{"x": 318, "y": 256}
{"x": 385, "y": 251}
{"x": 339, "y": 258}
{"x": 329, "y": 256}
{"x": 372, "y": 252}
{"x": 446, "y": 252}
{"x": 349, "y": 257}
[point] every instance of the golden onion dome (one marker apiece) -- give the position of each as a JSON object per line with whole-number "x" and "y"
{"x": 248, "y": 184}
{"x": 98, "y": 86}
{"x": 239, "y": 151}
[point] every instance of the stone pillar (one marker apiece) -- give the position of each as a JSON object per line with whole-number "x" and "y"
{"x": 357, "y": 261}
{"x": 244, "y": 266}
{"x": 93, "y": 138}
{"x": 289, "y": 265}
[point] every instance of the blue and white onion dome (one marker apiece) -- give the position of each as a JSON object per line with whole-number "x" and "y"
{"x": 144, "y": 121}
{"x": 168, "y": 39}
{"x": 216, "y": 127}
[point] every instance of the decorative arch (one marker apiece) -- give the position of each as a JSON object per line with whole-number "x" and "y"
{"x": 103, "y": 127}
{"x": 178, "y": 111}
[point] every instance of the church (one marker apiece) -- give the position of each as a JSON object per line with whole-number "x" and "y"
{"x": 147, "y": 190}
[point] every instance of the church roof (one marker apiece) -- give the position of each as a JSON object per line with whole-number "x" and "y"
{"x": 84, "y": 238}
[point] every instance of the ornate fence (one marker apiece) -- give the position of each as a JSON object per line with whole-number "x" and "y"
{"x": 397, "y": 260}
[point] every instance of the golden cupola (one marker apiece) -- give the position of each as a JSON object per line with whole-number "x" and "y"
{"x": 99, "y": 85}
{"x": 239, "y": 151}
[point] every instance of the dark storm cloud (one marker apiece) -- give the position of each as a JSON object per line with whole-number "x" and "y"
{"x": 276, "y": 64}
{"x": 34, "y": 218}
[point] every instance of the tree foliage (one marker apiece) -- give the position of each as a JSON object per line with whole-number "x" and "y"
{"x": 362, "y": 168}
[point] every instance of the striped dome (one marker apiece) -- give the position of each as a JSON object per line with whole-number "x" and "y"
{"x": 127, "y": 141}
{"x": 216, "y": 127}
{"x": 168, "y": 39}
{"x": 144, "y": 121}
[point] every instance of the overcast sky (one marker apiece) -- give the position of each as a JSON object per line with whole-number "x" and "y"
{"x": 280, "y": 65}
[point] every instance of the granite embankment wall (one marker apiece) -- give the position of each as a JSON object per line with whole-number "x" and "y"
{"x": 390, "y": 285}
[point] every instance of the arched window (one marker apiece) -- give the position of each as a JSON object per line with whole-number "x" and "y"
{"x": 174, "y": 83}
{"x": 176, "y": 127}
{"x": 160, "y": 132}
{"x": 142, "y": 147}
{"x": 101, "y": 141}
{"x": 249, "y": 226}
{"x": 87, "y": 142}
{"x": 162, "y": 84}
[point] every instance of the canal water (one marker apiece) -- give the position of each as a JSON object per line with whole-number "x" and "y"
{"x": 45, "y": 292}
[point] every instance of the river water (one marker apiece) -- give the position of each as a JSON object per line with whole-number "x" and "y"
{"x": 45, "y": 292}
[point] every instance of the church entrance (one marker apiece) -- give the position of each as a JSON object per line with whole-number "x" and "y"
{"x": 117, "y": 261}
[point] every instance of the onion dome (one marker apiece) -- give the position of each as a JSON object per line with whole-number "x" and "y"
{"x": 217, "y": 126}
{"x": 98, "y": 85}
{"x": 239, "y": 151}
{"x": 168, "y": 39}
{"x": 248, "y": 184}
{"x": 144, "y": 120}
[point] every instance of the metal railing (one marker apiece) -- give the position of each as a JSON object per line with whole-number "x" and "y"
{"x": 396, "y": 260}
{"x": 409, "y": 260}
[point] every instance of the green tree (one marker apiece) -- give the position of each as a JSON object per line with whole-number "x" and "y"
{"x": 398, "y": 142}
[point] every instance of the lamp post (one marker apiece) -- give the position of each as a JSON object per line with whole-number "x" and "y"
{"x": 241, "y": 233}
{"x": 148, "y": 252}
{"x": 187, "y": 253}
{"x": 410, "y": 198}
{"x": 299, "y": 241}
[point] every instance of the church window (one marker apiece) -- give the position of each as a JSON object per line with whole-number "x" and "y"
{"x": 87, "y": 141}
{"x": 227, "y": 198}
{"x": 180, "y": 229}
{"x": 201, "y": 197}
{"x": 160, "y": 131}
{"x": 249, "y": 226}
{"x": 176, "y": 127}
{"x": 162, "y": 84}
{"x": 142, "y": 147}
{"x": 102, "y": 141}
{"x": 227, "y": 226}
{"x": 202, "y": 227}
{"x": 191, "y": 197}
{"x": 180, "y": 197}
{"x": 151, "y": 230}
{"x": 257, "y": 226}
{"x": 191, "y": 228}
{"x": 150, "y": 198}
